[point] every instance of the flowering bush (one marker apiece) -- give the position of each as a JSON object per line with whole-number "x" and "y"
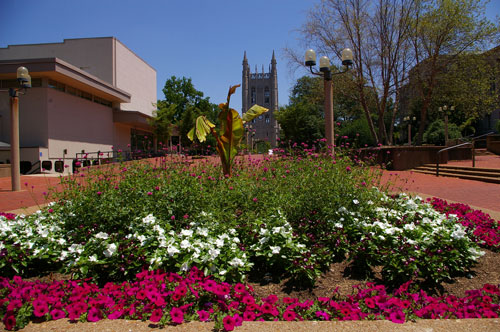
{"x": 168, "y": 298}
{"x": 290, "y": 215}
{"x": 484, "y": 229}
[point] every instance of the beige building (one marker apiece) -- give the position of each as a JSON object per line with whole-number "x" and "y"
{"x": 88, "y": 95}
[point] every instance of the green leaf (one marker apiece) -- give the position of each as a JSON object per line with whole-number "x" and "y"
{"x": 254, "y": 112}
{"x": 201, "y": 129}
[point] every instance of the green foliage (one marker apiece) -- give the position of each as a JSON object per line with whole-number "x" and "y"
{"x": 289, "y": 216}
{"x": 302, "y": 122}
{"x": 357, "y": 131}
{"x": 231, "y": 130}
{"x": 181, "y": 106}
{"x": 435, "y": 132}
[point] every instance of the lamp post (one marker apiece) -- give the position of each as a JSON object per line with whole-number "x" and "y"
{"x": 24, "y": 80}
{"x": 409, "y": 119}
{"x": 325, "y": 71}
{"x": 445, "y": 109}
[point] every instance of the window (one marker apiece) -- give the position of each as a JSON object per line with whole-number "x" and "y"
{"x": 268, "y": 120}
{"x": 86, "y": 95}
{"x": 56, "y": 85}
{"x": 266, "y": 95}
{"x": 253, "y": 96}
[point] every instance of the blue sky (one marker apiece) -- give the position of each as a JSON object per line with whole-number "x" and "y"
{"x": 200, "y": 39}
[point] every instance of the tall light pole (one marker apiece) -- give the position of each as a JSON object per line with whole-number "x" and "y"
{"x": 324, "y": 67}
{"x": 409, "y": 119}
{"x": 445, "y": 109}
{"x": 24, "y": 80}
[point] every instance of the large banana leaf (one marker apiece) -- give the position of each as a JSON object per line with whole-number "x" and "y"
{"x": 202, "y": 128}
{"x": 254, "y": 112}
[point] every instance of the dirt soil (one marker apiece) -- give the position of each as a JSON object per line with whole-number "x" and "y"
{"x": 341, "y": 275}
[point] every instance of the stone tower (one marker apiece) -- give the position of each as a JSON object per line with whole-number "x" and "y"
{"x": 262, "y": 89}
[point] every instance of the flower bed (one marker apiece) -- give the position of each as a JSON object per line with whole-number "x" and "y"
{"x": 287, "y": 216}
{"x": 168, "y": 298}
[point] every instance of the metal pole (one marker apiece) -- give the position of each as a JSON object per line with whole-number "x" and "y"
{"x": 409, "y": 134}
{"x": 446, "y": 129}
{"x": 329, "y": 118}
{"x": 14, "y": 143}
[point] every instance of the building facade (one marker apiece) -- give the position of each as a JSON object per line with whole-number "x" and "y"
{"x": 88, "y": 95}
{"x": 262, "y": 89}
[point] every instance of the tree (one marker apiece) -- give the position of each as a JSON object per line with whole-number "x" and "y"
{"x": 467, "y": 85}
{"x": 378, "y": 33}
{"x": 302, "y": 121}
{"x": 441, "y": 31}
{"x": 181, "y": 106}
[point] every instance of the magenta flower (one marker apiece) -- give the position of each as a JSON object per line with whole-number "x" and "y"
{"x": 177, "y": 315}
{"x": 203, "y": 315}
{"x": 94, "y": 315}
{"x": 156, "y": 315}
{"x": 229, "y": 323}
{"x": 9, "y": 320}
{"x": 57, "y": 314}
{"x": 40, "y": 308}
{"x": 249, "y": 316}
{"x": 289, "y": 315}
{"x": 397, "y": 316}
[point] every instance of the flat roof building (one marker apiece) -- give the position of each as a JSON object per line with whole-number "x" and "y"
{"x": 88, "y": 94}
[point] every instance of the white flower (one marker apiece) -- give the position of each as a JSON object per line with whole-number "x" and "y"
{"x": 236, "y": 262}
{"x": 44, "y": 233}
{"x": 409, "y": 227}
{"x": 61, "y": 241}
{"x": 475, "y": 254}
{"x": 214, "y": 253}
{"x": 458, "y": 234}
{"x": 219, "y": 242}
{"x": 171, "y": 250}
{"x": 63, "y": 256}
{"x": 355, "y": 201}
{"x": 142, "y": 239}
{"x": 93, "y": 258}
{"x": 338, "y": 225}
{"x": 202, "y": 231}
{"x": 185, "y": 244}
{"x": 222, "y": 272}
{"x": 275, "y": 250}
{"x": 149, "y": 219}
{"x": 102, "y": 235}
{"x": 110, "y": 250}
{"x": 184, "y": 267}
{"x": 187, "y": 232}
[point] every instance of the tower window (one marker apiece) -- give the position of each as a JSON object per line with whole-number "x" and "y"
{"x": 266, "y": 95}
{"x": 253, "y": 96}
{"x": 267, "y": 119}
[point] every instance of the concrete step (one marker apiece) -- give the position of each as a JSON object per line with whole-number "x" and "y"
{"x": 490, "y": 175}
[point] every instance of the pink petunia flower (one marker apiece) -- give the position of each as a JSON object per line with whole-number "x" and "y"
{"x": 229, "y": 323}
{"x": 177, "y": 315}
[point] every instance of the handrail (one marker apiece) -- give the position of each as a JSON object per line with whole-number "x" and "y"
{"x": 459, "y": 145}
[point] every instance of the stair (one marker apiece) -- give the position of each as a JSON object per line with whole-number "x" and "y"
{"x": 491, "y": 175}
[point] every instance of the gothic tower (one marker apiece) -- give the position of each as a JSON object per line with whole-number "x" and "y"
{"x": 262, "y": 89}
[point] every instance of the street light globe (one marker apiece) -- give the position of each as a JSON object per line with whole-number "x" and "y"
{"x": 324, "y": 63}
{"x": 22, "y": 74}
{"x": 347, "y": 57}
{"x": 310, "y": 58}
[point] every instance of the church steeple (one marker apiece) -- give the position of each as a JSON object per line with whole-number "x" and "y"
{"x": 262, "y": 88}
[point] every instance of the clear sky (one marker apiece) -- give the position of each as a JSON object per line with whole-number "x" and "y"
{"x": 200, "y": 39}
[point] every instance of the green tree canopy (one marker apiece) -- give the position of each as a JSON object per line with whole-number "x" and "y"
{"x": 181, "y": 106}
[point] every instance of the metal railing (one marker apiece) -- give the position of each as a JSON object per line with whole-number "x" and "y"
{"x": 474, "y": 139}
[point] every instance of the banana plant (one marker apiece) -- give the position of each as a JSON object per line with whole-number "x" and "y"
{"x": 231, "y": 130}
